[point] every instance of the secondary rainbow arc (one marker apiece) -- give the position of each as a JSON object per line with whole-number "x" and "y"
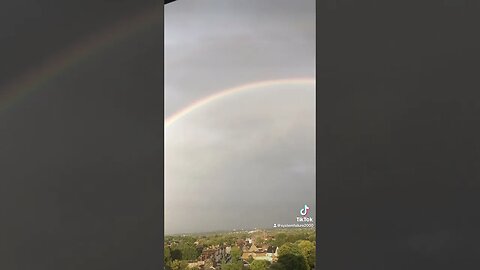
{"x": 229, "y": 91}
{"x": 31, "y": 81}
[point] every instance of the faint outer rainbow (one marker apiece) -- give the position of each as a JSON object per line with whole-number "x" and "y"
{"x": 229, "y": 91}
{"x": 36, "y": 78}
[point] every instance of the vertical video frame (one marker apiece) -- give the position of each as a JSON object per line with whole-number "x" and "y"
{"x": 239, "y": 134}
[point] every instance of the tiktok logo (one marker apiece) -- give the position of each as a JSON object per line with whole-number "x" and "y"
{"x": 304, "y": 211}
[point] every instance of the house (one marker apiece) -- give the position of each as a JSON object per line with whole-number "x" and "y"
{"x": 207, "y": 254}
{"x": 273, "y": 253}
{"x": 253, "y": 248}
{"x": 263, "y": 248}
{"x": 240, "y": 242}
{"x": 218, "y": 255}
{"x": 271, "y": 250}
{"x": 214, "y": 256}
{"x": 247, "y": 254}
{"x": 246, "y": 247}
{"x": 263, "y": 256}
{"x": 209, "y": 264}
{"x": 198, "y": 264}
{"x": 267, "y": 253}
{"x": 256, "y": 256}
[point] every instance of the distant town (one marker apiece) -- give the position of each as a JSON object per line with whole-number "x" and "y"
{"x": 258, "y": 249}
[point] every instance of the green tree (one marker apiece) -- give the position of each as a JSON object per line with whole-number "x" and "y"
{"x": 236, "y": 253}
{"x": 292, "y": 258}
{"x": 238, "y": 265}
{"x": 175, "y": 253}
{"x": 188, "y": 239}
{"x": 308, "y": 251}
{"x": 188, "y": 251}
{"x": 208, "y": 264}
{"x": 293, "y": 262}
{"x": 207, "y": 242}
{"x": 199, "y": 249}
{"x": 292, "y": 238}
{"x": 277, "y": 266}
{"x": 179, "y": 265}
{"x": 167, "y": 257}
{"x": 289, "y": 248}
{"x": 259, "y": 265}
{"x": 259, "y": 241}
{"x": 231, "y": 240}
{"x": 270, "y": 242}
{"x": 280, "y": 239}
{"x": 250, "y": 259}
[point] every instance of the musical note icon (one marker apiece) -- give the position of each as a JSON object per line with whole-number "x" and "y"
{"x": 304, "y": 211}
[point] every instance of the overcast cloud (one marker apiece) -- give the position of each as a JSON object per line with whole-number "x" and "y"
{"x": 247, "y": 160}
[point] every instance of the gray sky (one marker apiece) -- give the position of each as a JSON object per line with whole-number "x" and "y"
{"x": 79, "y": 153}
{"x": 246, "y": 160}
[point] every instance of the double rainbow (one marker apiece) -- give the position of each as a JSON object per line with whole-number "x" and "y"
{"x": 32, "y": 81}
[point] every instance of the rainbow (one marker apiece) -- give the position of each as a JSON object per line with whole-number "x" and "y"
{"x": 229, "y": 91}
{"x": 36, "y": 78}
